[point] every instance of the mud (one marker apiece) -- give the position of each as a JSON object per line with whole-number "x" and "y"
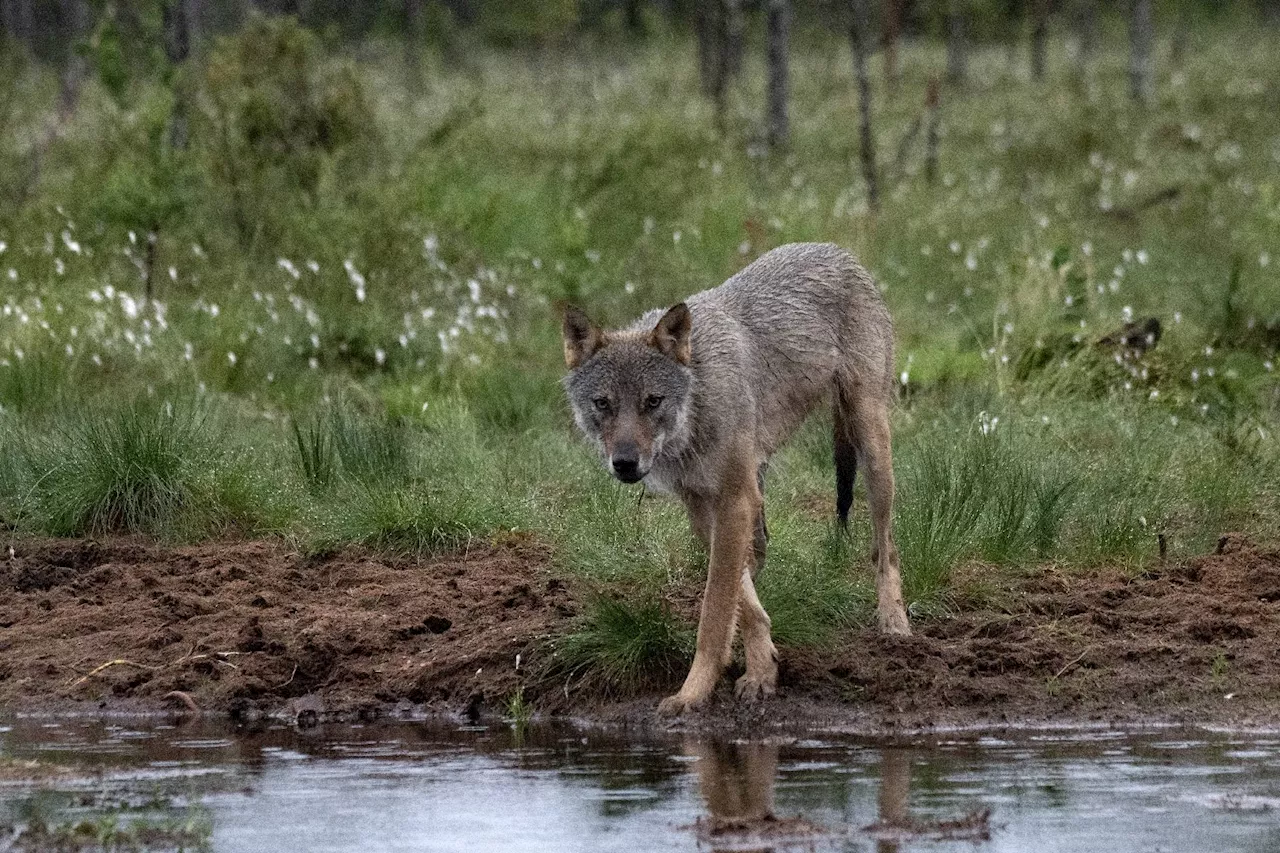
{"x": 250, "y": 628}
{"x": 254, "y": 627}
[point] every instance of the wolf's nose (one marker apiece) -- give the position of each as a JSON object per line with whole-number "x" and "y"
{"x": 626, "y": 468}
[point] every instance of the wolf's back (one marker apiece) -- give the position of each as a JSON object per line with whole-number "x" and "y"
{"x": 805, "y": 307}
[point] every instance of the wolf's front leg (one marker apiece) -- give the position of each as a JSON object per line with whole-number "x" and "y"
{"x": 732, "y": 529}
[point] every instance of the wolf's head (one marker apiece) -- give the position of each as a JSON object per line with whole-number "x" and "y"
{"x": 630, "y": 390}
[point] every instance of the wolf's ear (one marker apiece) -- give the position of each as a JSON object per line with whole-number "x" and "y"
{"x": 581, "y": 337}
{"x": 671, "y": 336}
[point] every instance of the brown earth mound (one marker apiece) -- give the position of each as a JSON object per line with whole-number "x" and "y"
{"x": 1196, "y": 641}
{"x": 251, "y": 627}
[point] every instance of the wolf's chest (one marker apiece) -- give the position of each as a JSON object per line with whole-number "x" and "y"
{"x": 660, "y": 480}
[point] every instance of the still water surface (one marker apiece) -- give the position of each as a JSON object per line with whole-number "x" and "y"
{"x": 427, "y": 787}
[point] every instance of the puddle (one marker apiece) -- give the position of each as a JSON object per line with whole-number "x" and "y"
{"x": 425, "y": 787}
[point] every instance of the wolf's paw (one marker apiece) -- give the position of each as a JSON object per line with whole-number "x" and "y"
{"x": 751, "y": 688}
{"x": 893, "y": 620}
{"x": 674, "y": 706}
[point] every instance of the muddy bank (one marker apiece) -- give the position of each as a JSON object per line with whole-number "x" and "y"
{"x": 253, "y": 627}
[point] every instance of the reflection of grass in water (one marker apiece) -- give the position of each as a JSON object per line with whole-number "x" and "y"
{"x": 42, "y": 823}
{"x": 27, "y": 770}
{"x": 519, "y": 712}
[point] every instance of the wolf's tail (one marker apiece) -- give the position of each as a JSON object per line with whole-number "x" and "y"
{"x": 846, "y": 455}
{"x": 846, "y": 473}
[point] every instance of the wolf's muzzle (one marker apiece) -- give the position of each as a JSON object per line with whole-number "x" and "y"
{"x": 626, "y": 470}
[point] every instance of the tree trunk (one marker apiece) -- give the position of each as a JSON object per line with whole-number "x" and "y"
{"x": 717, "y": 59}
{"x": 463, "y": 11}
{"x": 777, "y": 35}
{"x": 1086, "y": 27}
{"x": 732, "y": 38}
{"x": 1141, "y": 36}
{"x": 633, "y": 14}
{"x": 933, "y": 107}
{"x": 193, "y": 11}
{"x": 281, "y": 7}
{"x": 21, "y": 19}
{"x": 79, "y": 21}
{"x": 1181, "y": 36}
{"x": 728, "y": 54}
{"x": 957, "y": 45}
{"x": 177, "y": 47}
{"x": 707, "y": 29}
{"x": 1039, "y": 37}
{"x": 414, "y": 36}
{"x": 859, "y": 31}
{"x": 892, "y": 32}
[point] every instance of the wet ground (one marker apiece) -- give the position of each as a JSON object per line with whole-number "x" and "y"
{"x": 424, "y": 786}
{"x": 253, "y": 628}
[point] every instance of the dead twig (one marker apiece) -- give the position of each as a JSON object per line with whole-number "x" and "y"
{"x": 1131, "y": 212}
{"x": 1070, "y": 664}
{"x": 97, "y": 669}
{"x": 216, "y": 657}
{"x": 290, "y": 681}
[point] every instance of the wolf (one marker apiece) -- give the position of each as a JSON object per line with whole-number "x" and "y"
{"x": 694, "y": 400}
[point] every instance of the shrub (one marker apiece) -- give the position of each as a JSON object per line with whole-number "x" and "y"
{"x": 278, "y": 116}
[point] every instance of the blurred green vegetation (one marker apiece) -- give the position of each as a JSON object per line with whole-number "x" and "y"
{"x": 353, "y": 336}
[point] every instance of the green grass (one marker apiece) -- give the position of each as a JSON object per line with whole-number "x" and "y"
{"x": 317, "y": 458}
{"x": 163, "y": 467}
{"x": 816, "y": 581}
{"x": 414, "y": 519}
{"x": 137, "y": 468}
{"x": 625, "y": 646}
{"x": 369, "y": 353}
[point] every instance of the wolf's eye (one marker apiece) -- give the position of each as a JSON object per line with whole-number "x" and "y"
{"x": 653, "y": 401}
{"x": 601, "y": 404}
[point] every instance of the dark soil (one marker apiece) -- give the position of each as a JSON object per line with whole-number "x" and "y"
{"x": 254, "y": 627}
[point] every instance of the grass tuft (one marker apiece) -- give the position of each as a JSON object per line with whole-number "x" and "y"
{"x": 317, "y": 457}
{"x": 34, "y": 383}
{"x": 814, "y": 582}
{"x": 370, "y": 448}
{"x": 943, "y": 498}
{"x": 623, "y": 647}
{"x": 136, "y": 468}
{"x": 412, "y": 519}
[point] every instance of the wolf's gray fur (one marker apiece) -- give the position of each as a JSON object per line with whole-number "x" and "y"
{"x": 695, "y": 400}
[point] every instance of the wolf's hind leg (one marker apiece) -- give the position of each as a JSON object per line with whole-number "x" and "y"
{"x": 868, "y": 415}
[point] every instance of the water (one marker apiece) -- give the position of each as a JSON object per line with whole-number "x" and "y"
{"x": 427, "y": 787}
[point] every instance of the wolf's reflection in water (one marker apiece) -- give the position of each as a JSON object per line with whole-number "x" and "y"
{"x": 737, "y": 781}
{"x": 895, "y": 786}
